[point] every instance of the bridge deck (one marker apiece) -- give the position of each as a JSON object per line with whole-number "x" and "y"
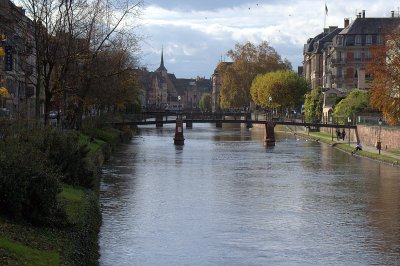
{"x": 238, "y": 121}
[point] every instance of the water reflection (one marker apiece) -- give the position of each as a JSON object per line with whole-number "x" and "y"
{"x": 223, "y": 198}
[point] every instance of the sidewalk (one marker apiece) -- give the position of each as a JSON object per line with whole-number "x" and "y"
{"x": 367, "y": 151}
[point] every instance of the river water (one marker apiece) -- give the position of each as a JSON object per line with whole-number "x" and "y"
{"x": 226, "y": 199}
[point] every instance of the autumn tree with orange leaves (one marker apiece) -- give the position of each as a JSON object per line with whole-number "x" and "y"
{"x": 385, "y": 69}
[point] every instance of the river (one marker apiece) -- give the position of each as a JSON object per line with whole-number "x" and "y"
{"x": 225, "y": 199}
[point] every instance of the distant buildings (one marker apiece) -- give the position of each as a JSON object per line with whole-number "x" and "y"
{"x": 160, "y": 89}
{"x": 335, "y": 60}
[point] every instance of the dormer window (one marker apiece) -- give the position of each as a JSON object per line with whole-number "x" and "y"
{"x": 358, "y": 40}
{"x": 339, "y": 40}
{"x": 369, "y": 39}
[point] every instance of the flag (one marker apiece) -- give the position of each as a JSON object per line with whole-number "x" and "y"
{"x": 326, "y": 10}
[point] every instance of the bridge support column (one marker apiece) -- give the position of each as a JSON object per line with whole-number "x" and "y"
{"x": 249, "y": 122}
{"x": 189, "y": 123}
{"x": 179, "y": 139}
{"x": 218, "y": 123}
{"x": 269, "y": 138}
{"x": 159, "y": 120}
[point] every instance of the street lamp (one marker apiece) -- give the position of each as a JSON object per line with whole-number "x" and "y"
{"x": 349, "y": 122}
{"x": 270, "y": 107}
{"x": 379, "y": 143}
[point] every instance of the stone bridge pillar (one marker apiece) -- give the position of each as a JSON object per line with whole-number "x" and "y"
{"x": 218, "y": 116}
{"x": 249, "y": 122}
{"x": 269, "y": 139}
{"x": 189, "y": 123}
{"x": 189, "y": 120}
{"x": 179, "y": 139}
{"x": 159, "y": 120}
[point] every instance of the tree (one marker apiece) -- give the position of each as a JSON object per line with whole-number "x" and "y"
{"x": 356, "y": 101}
{"x": 385, "y": 69}
{"x": 313, "y": 105}
{"x": 69, "y": 38}
{"x": 248, "y": 61}
{"x": 205, "y": 102}
{"x": 282, "y": 88}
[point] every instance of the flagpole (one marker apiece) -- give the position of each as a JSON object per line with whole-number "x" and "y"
{"x": 326, "y": 12}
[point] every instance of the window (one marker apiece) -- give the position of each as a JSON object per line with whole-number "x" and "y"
{"x": 358, "y": 40}
{"x": 340, "y": 72}
{"x": 369, "y": 39}
{"x": 379, "y": 39}
{"x": 349, "y": 72}
{"x": 357, "y": 56}
{"x": 339, "y": 40}
{"x": 368, "y": 55}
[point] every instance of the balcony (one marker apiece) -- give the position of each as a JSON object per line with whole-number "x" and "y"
{"x": 337, "y": 61}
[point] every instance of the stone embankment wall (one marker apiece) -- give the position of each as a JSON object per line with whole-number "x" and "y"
{"x": 390, "y": 136}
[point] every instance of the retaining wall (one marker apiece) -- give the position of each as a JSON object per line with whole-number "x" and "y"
{"x": 390, "y": 136}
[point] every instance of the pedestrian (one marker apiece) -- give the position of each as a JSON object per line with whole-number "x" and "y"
{"x": 338, "y": 134}
{"x": 343, "y": 134}
{"x": 358, "y": 148}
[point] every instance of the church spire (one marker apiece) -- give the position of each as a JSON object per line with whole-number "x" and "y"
{"x": 162, "y": 57}
{"x": 162, "y": 67}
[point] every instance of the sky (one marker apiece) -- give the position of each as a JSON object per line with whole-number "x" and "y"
{"x": 196, "y": 34}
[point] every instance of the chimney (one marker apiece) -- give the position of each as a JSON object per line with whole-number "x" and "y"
{"x": 363, "y": 14}
{"x": 332, "y": 28}
{"x": 359, "y": 15}
{"x": 346, "y": 22}
{"x": 392, "y": 14}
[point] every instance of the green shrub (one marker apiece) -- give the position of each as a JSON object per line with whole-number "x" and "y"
{"x": 64, "y": 150}
{"x": 28, "y": 184}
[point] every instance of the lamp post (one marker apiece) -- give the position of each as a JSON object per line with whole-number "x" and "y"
{"x": 379, "y": 143}
{"x": 179, "y": 139}
{"x": 349, "y": 122}
{"x": 270, "y": 108}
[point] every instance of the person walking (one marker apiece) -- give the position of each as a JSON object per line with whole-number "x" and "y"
{"x": 338, "y": 134}
{"x": 343, "y": 134}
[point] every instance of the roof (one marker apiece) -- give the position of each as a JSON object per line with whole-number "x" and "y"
{"x": 365, "y": 26}
{"x": 316, "y": 44}
{"x": 162, "y": 67}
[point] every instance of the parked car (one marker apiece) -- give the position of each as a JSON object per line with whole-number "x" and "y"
{"x": 53, "y": 114}
{"x": 4, "y": 112}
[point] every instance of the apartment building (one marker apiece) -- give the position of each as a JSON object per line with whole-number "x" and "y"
{"x": 314, "y": 64}
{"x": 335, "y": 60}
{"x": 17, "y": 62}
{"x": 346, "y": 58}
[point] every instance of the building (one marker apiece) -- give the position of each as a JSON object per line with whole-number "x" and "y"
{"x": 314, "y": 61}
{"x": 336, "y": 59}
{"x": 17, "y": 61}
{"x": 350, "y": 51}
{"x": 160, "y": 89}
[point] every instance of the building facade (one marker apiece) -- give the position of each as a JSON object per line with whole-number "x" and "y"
{"x": 336, "y": 59}
{"x": 160, "y": 89}
{"x": 314, "y": 64}
{"x": 17, "y": 61}
{"x": 347, "y": 57}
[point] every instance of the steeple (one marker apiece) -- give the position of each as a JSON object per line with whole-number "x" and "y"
{"x": 162, "y": 67}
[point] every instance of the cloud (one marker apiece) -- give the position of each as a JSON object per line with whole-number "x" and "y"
{"x": 196, "y": 39}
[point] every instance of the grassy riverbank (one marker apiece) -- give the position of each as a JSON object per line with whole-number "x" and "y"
{"x": 390, "y": 157}
{"x": 75, "y": 240}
